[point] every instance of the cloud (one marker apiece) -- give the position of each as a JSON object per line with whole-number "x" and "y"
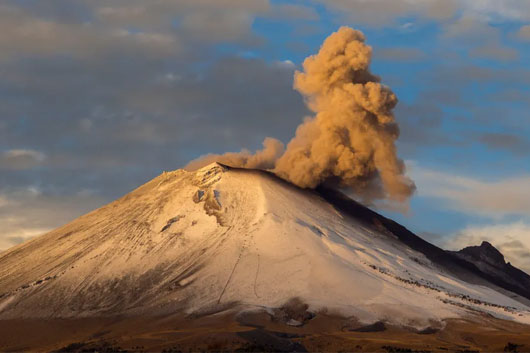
{"x": 494, "y": 51}
{"x": 381, "y": 13}
{"x": 420, "y": 123}
{"x": 161, "y": 13}
{"x": 492, "y": 199}
{"x": 497, "y": 11}
{"x": 524, "y": 33}
{"x": 511, "y": 239}
{"x": 292, "y": 12}
{"x": 399, "y": 54}
{"x": 27, "y": 212}
{"x": 222, "y": 26}
{"x": 21, "y": 34}
{"x": 465, "y": 75}
{"x": 137, "y": 88}
{"x": 118, "y": 95}
{"x": 111, "y": 94}
{"x": 466, "y": 113}
{"x": 194, "y": 21}
{"x": 19, "y": 159}
{"x": 505, "y": 141}
{"x": 482, "y": 39}
{"x": 3, "y": 201}
{"x": 125, "y": 121}
{"x": 261, "y": 98}
{"x": 470, "y": 28}
{"x": 93, "y": 28}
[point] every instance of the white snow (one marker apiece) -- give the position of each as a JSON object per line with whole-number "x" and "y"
{"x": 249, "y": 238}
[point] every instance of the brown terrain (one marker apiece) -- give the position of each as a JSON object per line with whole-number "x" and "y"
{"x": 260, "y": 331}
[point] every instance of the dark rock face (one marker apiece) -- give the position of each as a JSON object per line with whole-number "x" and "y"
{"x": 486, "y": 253}
{"x": 490, "y": 261}
{"x": 480, "y": 264}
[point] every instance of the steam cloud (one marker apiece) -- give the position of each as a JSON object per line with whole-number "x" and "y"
{"x": 350, "y": 142}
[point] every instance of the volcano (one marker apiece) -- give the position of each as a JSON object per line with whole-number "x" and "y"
{"x": 244, "y": 243}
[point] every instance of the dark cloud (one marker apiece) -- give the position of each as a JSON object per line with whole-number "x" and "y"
{"x": 505, "y": 141}
{"x": 495, "y": 51}
{"x": 104, "y": 96}
{"x": 460, "y": 101}
{"x": 493, "y": 96}
{"x": 108, "y": 94}
{"x": 20, "y": 159}
{"x": 126, "y": 129}
{"x": 419, "y": 123}
{"x": 123, "y": 114}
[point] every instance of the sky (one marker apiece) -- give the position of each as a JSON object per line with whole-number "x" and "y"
{"x": 97, "y": 97}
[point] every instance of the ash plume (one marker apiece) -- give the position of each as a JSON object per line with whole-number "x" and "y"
{"x": 350, "y": 141}
{"x": 263, "y": 159}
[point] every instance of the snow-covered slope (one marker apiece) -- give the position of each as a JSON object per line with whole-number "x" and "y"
{"x": 196, "y": 241}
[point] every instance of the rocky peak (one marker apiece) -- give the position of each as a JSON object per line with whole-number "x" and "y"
{"x": 486, "y": 253}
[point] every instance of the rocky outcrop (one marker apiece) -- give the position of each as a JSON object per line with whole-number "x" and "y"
{"x": 490, "y": 261}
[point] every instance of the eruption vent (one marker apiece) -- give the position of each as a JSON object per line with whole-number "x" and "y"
{"x": 350, "y": 142}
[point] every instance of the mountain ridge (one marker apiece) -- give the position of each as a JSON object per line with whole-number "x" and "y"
{"x": 447, "y": 259}
{"x": 226, "y": 237}
{"x": 490, "y": 261}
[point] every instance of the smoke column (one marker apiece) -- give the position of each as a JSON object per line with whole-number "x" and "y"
{"x": 262, "y": 159}
{"x": 350, "y": 141}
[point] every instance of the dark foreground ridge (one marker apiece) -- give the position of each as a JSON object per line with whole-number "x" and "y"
{"x": 482, "y": 263}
